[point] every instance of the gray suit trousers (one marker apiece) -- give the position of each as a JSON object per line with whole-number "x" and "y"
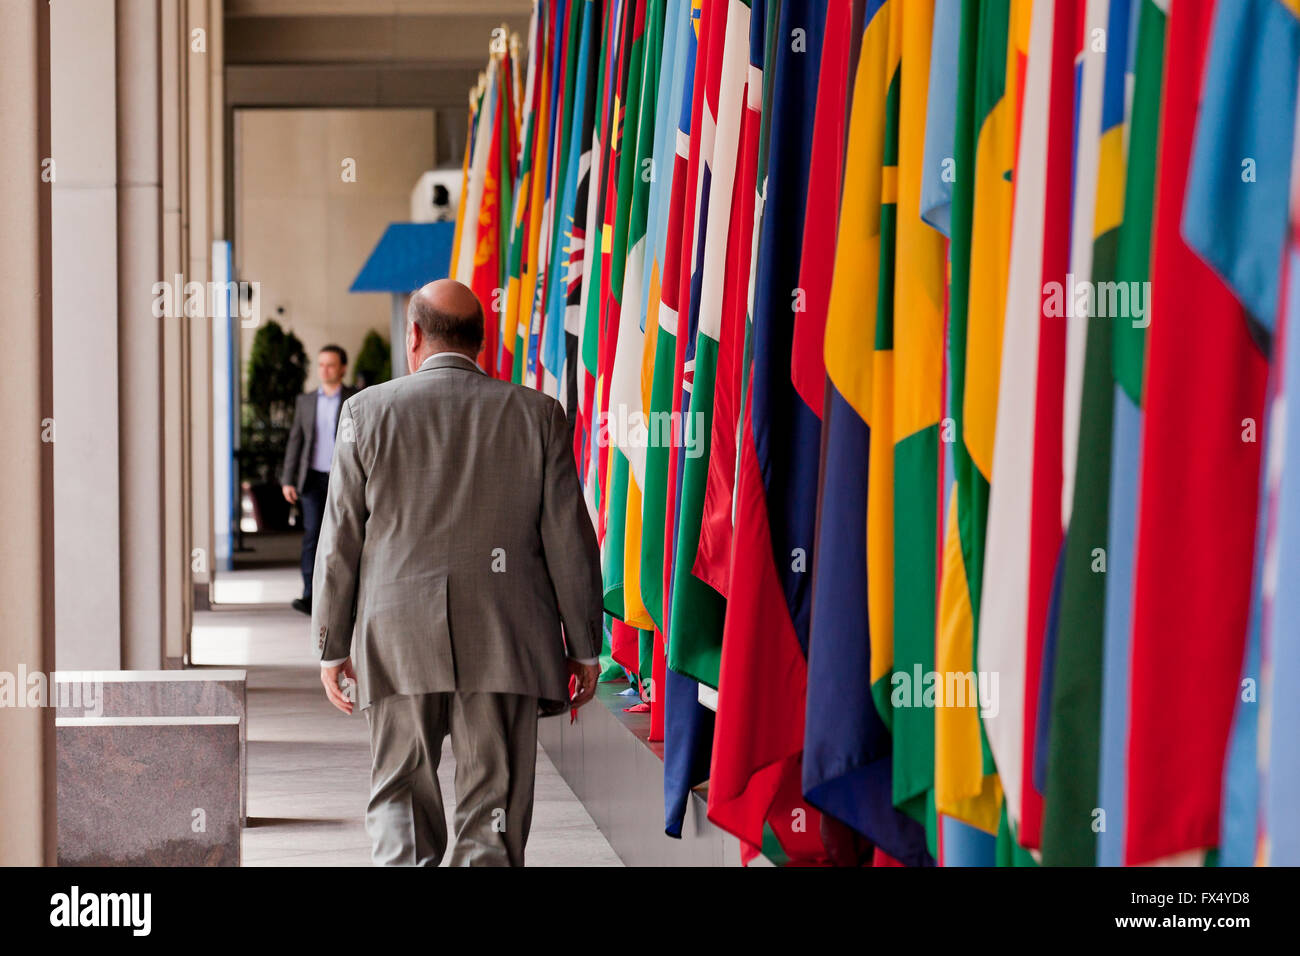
{"x": 494, "y": 740}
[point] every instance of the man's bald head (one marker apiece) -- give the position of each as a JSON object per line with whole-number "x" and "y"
{"x": 448, "y": 316}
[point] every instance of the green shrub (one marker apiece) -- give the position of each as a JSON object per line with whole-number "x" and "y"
{"x": 374, "y": 362}
{"x": 277, "y": 371}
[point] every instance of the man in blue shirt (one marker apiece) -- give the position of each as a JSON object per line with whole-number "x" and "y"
{"x": 305, "y": 474}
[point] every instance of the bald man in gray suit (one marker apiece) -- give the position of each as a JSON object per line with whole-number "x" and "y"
{"x": 455, "y": 543}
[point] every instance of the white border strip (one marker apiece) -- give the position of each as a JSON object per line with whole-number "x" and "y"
{"x": 142, "y": 721}
{"x": 119, "y": 677}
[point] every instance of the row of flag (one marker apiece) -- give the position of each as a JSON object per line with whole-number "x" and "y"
{"x": 927, "y": 365}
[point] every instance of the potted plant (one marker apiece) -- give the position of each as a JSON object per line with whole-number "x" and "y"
{"x": 277, "y": 370}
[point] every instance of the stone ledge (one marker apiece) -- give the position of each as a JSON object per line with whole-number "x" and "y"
{"x": 610, "y": 763}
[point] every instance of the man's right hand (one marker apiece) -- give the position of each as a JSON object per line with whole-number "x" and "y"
{"x": 329, "y": 676}
{"x": 587, "y": 675}
{"x": 290, "y": 493}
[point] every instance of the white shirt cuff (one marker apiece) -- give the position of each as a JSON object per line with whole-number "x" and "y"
{"x": 333, "y": 663}
{"x": 586, "y": 660}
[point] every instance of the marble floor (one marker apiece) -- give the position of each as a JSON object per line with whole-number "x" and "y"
{"x": 309, "y": 765}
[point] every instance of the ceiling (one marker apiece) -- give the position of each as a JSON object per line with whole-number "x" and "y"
{"x": 361, "y": 52}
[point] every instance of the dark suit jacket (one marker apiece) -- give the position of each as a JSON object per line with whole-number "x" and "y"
{"x": 302, "y": 437}
{"x": 455, "y": 540}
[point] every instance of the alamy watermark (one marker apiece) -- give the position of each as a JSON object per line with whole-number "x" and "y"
{"x": 32, "y": 689}
{"x": 75, "y": 908}
{"x": 922, "y": 688}
{"x": 625, "y": 427}
{"x": 208, "y": 300}
{"x": 1080, "y": 299}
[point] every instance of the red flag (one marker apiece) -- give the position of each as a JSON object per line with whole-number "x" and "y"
{"x": 625, "y": 645}
{"x": 1205, "y": 381}
{"x": 755, "y": 778}
{"x": 487, "y": 253}
{"x": 751, "y": 767}
{"x": 658, "y": 677}
{"x": 1045, "y": 531}
{"x": 713, "y": 556}
{"x": 817, "y": 262}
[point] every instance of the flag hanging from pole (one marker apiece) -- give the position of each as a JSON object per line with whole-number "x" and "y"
{"x": 756, "y": 760}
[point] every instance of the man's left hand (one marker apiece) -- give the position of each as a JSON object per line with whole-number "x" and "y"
{"x": 587, "y": 675}
{"x": 329, "y": 676}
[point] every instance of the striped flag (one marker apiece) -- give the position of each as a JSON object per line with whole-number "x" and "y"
{"x": 1090, "y": 61}
{"x": 670, "y": 172}
{"x": 994, "y": 36}
{"x": 464, "y": 182}
{"x": 1133, "y": 264}
{"x": 523, "y": 231}
{"x": 688, "y": 724}
{"x": 667, "y": 110}
{"x": 959, "y": 844}
{"x": 472, "y": 197}
{"x": 626, "y": 402}
{"x": 486, "y": 273}
{"x": 585, "y": 438}
{"x": 696, "y": 607}
{"x": 593, "y": 280}
{"x": 1024, "y": 529}
{"x": 713, "y": 557}
{"x": 848, "y": 770}
{"x": 843, "y": 773}
{"x": 1071, "y": 821}
{"x": 618, "y": 205}
{"x": 755, "y": 772}
{"x": 577, "y": 42}
{"x": 508, "y": 155}
{"x": 919, "y": 291}
{"x": 586, "y": 93}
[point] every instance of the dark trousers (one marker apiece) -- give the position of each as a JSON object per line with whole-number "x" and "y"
{"x": 313, "y": 511}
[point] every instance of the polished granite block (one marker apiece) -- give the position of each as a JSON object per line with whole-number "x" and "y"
{"x": 618, "y": 774}
{"x": 148, "y": 791}
{"x": 166, "y": 693}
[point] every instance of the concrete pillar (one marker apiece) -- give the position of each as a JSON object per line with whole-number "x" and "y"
{"x": 140, "y": 331}
{"x": 87, "y": 518}
{"x": 177, "y": 589}
{"x": 217, "y": 116}
{"x": 108, "y": 347}
{"x": 199, "y": 207}
{"x": 397, "y": 332}
{"x": 27, "y": 800}
{"x": 186, "y": 404}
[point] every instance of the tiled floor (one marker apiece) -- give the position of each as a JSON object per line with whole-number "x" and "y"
{"x": 309, "y": 765}
{"x": 264, "y": 586}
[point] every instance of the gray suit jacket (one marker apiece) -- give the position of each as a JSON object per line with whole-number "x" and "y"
{"x": 455, "y": 540}
{"x": 302, "y": 436}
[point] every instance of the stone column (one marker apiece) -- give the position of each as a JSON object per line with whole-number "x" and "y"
{"x": 397, "y": 332}
{"x": 87, "y": 387}
{"x": 177, "y": 589}
{"x": 27, "y": 801}
{"x": 140, "y": 331}
{"x": 199, "y": 207}
{"x": 107, "y": 256}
